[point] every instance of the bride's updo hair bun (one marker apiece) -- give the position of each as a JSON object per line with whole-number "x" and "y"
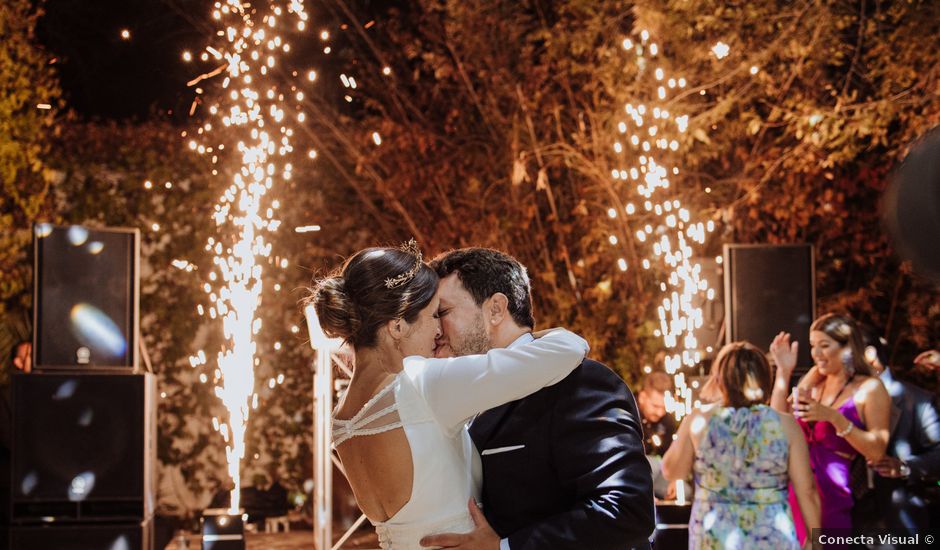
{"x": 375, "y": 286}
{"x": 337, "y": 313}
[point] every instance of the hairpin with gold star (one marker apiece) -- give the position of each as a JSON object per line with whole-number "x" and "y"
{"x": 411, "y": 247}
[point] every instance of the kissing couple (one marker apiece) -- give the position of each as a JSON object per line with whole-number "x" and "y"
{"x": 463, "y": 428}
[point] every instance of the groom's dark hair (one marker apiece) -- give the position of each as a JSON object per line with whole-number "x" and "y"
{"x": 484, "y": 272}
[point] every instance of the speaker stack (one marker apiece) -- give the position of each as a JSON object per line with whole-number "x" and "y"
{"x": 84, "y": 421}
{"x": 768, "y": 289}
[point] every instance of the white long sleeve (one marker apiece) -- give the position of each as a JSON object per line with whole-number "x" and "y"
{"x": 458, "y": 388}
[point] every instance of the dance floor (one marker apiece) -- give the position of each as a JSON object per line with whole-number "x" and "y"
{"x": 295, "y": 540}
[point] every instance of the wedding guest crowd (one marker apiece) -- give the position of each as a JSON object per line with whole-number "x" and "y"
{"x": 905, "y": 494}
{"x": 851, "y": 444}
{"x": 744, "y": 455}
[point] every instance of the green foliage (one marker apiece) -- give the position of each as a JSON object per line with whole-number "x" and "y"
{"x": 26, "y": 82}
{"x": 103, "y": 170}
{"x": 497, "y": 122}
{"x": 498, "y": 119}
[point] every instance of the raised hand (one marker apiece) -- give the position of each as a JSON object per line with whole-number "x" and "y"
{"x": 784, "y": 353}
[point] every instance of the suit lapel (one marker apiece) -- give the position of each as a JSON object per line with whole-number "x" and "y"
{"x": 485, "y": 425}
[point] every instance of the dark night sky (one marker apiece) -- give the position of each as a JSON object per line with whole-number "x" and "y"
{"x": 104, "y": 76}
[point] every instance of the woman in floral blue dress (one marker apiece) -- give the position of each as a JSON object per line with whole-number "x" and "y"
{"x": 744, "y": 455}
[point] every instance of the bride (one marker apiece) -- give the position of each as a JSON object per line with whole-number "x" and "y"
{"x": 401, "y": 429}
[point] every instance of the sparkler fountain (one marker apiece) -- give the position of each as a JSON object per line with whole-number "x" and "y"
{"x": 252, "y": 107}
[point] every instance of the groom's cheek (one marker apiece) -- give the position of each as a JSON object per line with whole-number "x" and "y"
{"x": 443, "y": 351}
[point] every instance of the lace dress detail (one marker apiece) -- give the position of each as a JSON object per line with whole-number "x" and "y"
{"x": 378, "y": 415}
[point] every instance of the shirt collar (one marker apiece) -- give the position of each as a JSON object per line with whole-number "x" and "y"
{"x": 522, "y": 340}
{"x": 893, "y": 386}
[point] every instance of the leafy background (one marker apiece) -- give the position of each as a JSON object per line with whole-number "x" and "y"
{"x": 497, "y": 120}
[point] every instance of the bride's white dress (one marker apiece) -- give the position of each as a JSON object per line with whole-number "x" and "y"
{"x": 432, "y": 400}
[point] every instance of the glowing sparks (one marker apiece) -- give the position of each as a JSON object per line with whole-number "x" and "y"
{"x": 256, "y": 137}
{"x": 307, "y": 228}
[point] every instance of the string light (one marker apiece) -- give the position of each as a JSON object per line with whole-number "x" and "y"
{"x": 671, "y": 240}
{"x": 721, "y": 50}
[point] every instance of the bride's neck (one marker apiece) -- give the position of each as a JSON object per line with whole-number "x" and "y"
{"x": 378, "y": 362}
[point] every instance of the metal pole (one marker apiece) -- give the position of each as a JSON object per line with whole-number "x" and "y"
{"x": 322, "y": 451}
{"x": 323, "y": 458}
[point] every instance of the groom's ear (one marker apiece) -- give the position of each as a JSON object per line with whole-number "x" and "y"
{"x": 496, "y": 308}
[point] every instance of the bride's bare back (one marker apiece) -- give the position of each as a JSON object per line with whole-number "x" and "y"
{"x": 379, "y": 467}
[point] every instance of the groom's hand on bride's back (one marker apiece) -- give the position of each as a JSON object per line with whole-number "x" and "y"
{"x": 481, "y": 538}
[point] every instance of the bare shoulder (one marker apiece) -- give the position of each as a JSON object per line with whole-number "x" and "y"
{"x": 698, "y": 418}
{"x": 871, "y": 386}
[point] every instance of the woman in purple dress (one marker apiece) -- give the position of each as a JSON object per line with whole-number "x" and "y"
{"x": 843, "y": 410}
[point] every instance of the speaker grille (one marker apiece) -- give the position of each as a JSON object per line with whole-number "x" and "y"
{"x": 83, "y": 445}
{"x": 85, "y": 304}
{"x": 768, "y": 289}
{"x": 131, "y": 536}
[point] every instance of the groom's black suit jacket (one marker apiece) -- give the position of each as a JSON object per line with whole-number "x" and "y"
{"x": 582, "y": 480}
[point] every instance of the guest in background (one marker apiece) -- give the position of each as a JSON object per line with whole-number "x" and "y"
{"x": 658, "y": 428}
{"x": 842, "y": 409}
{"x": 905, "y": 489}
{"x": 744, "y": 455}
{"x": 20, "y": 360}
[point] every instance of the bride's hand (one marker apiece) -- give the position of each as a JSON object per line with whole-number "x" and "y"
{"x": 543, "y": 332}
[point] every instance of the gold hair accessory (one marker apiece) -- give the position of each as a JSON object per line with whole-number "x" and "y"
{"x": 411, "y": 247}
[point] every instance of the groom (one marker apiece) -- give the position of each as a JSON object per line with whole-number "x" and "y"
{"x": 563, "y": 468}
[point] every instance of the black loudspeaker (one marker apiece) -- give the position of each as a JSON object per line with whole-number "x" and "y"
{"x": 768, "y": 289}
{"x": 85, "y": 304}
{"x": 709, "y": 335}
{"x": 672, "y": 526}
{"x": 83, "y": 447}
{"x": 911, "y": 206}
{"x": 127, "y": 536}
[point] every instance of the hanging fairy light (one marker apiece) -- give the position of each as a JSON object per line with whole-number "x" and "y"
{"x": 249, "y": 127}
{"x": 651, "y": 131}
